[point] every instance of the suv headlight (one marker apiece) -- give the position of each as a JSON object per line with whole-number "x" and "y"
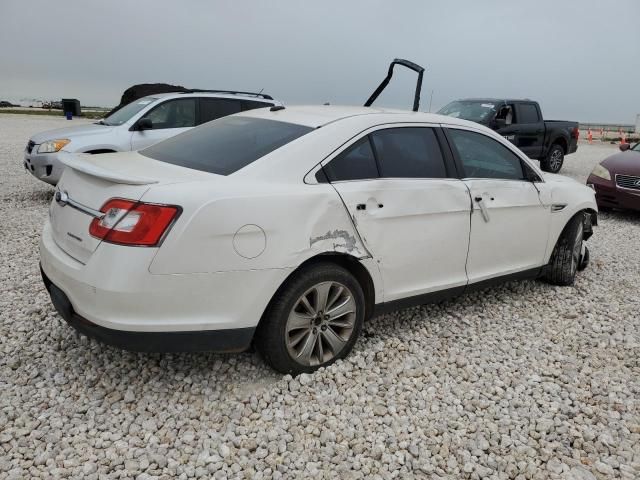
{"x": 52, "y": 146}
{"x": 600, "y": 171}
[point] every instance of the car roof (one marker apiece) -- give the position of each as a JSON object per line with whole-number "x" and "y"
{"x": 495, "y": 100}
{"x": 230, "y": 95}
{"x": 316, "y": 116}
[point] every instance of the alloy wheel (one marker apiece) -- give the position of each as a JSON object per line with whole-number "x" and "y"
{"x": 555, "y": 160}
{"x": 321, "y": 323}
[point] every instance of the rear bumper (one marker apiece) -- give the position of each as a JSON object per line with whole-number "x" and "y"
{"x": 44, "y": 166}
{"x": 608, "y": 195}
{"x": 114, "y": 296}
{"x": 229, "y": 340}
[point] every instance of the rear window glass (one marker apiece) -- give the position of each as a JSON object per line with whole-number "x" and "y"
{"x": 527, "y": 113}
{"x": 409, "y": 153}
{"x": 355, "y": 163}
{"x": 225, "y": 145}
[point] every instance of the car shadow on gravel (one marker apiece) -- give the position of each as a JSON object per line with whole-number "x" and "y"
{"x": 237, "y": 375}
{"x": 42, "y": 197}
{"x": 623, "y": 215}
{"x": 220, "y": 374}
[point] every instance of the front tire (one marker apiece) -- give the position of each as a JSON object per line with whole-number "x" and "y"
{"x": 554, "y": 160}
{"x": 312, "y": 321}
{"x": 566, "y": 258}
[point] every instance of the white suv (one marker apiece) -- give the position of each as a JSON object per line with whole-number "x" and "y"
{"x": 137, "y": 125}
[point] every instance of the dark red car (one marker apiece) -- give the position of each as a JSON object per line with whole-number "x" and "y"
{"x": 616, "y": 179}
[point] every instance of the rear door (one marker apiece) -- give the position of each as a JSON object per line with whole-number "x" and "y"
{"x": 509, "y": 223}
{"x": 213, "y": 108}
{"x": 529, "y": 129}
{"x": 168, "y": 119}
{"x": 410, "y": 211}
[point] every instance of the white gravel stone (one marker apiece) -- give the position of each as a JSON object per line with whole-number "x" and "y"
{"x": 525, "y": 380}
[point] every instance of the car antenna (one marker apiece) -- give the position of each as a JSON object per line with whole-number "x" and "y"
{"x": 405, "y": 63}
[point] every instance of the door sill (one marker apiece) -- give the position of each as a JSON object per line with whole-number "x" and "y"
{"x": 448, "y": 293}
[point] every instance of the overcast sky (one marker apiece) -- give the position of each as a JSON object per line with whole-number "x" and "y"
{"x": 579, "y": 59}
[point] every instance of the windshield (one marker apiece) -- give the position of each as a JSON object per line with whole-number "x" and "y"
{"x": 476, "y": 111}
{"x": 225, "y": 145}
{"x": 128, "y": 111}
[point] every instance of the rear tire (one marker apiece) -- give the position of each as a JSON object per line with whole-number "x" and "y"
{"x": 313, "y": 320}
{"x": 567, "y": 254}
{"x": 554, "y": 160}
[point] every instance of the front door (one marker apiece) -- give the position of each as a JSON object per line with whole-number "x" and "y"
{"x": 509, "y": 223}
{"x": 167, "y": 119}
{"x": 411, "y": 215}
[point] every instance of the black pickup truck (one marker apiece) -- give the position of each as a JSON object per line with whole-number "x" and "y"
{"x": 521, "y": 122}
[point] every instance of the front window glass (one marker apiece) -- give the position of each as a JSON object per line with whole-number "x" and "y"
{"x": 475, "y": 111}
{"x": 225, "y": 145}
{"x": 125, "y": 113}
{"x": 484, "y": 157}
{"x": 636, "y": 147}
{"x": 173, "y": 114}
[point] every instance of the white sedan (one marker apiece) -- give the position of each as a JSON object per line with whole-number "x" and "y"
{"x": 286, "y": 228}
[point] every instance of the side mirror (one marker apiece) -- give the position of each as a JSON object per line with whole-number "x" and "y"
{"x": 624, "y": 147}
{"x": 145, "y": 124}
{"x": 530, "y": 175}
{"x": 499, "y": 123}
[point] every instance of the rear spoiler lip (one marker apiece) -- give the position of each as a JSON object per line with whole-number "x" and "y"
{"x": 72, "y": 161}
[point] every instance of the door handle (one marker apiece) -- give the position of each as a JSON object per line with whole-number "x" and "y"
{"x": 483, "y": 208}
{"x": 363, "y": 206}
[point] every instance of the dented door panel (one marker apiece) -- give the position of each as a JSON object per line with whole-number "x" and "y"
{"x": 416, "y": 229}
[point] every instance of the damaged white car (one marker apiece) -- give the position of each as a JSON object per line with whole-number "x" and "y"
{"x": 287, "y": 228}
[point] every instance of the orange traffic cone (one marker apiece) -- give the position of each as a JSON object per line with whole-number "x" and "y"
{"x": 623, "y": 139}
{"x": 589, "y": 136}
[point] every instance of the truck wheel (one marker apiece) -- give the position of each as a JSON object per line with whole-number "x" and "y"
{"x": 554, "y": 160}
{"x": 568, "y": 255}
{"x": 312, "y": 321}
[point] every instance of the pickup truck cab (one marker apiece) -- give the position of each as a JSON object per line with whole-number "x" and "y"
{"x": 521, "y": 122}
{"x": 135, "y": 126}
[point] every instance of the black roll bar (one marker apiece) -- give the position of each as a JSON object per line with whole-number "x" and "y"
{"x": 411, "y": 66}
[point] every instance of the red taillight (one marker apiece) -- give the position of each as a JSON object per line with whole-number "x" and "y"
{"x": 126, "y": 222}
{"x": 575, "y": 133}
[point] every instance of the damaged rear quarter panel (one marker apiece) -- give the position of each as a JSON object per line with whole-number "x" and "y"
{"x": 299, "y": 221}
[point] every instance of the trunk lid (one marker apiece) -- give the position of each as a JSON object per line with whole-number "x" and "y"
{"x": 89, "y": 181}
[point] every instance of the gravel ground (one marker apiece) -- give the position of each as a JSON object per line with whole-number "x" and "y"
{"x": 521, "y": 381}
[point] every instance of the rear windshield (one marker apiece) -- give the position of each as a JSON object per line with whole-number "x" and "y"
{"x": 225, "y": 145}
